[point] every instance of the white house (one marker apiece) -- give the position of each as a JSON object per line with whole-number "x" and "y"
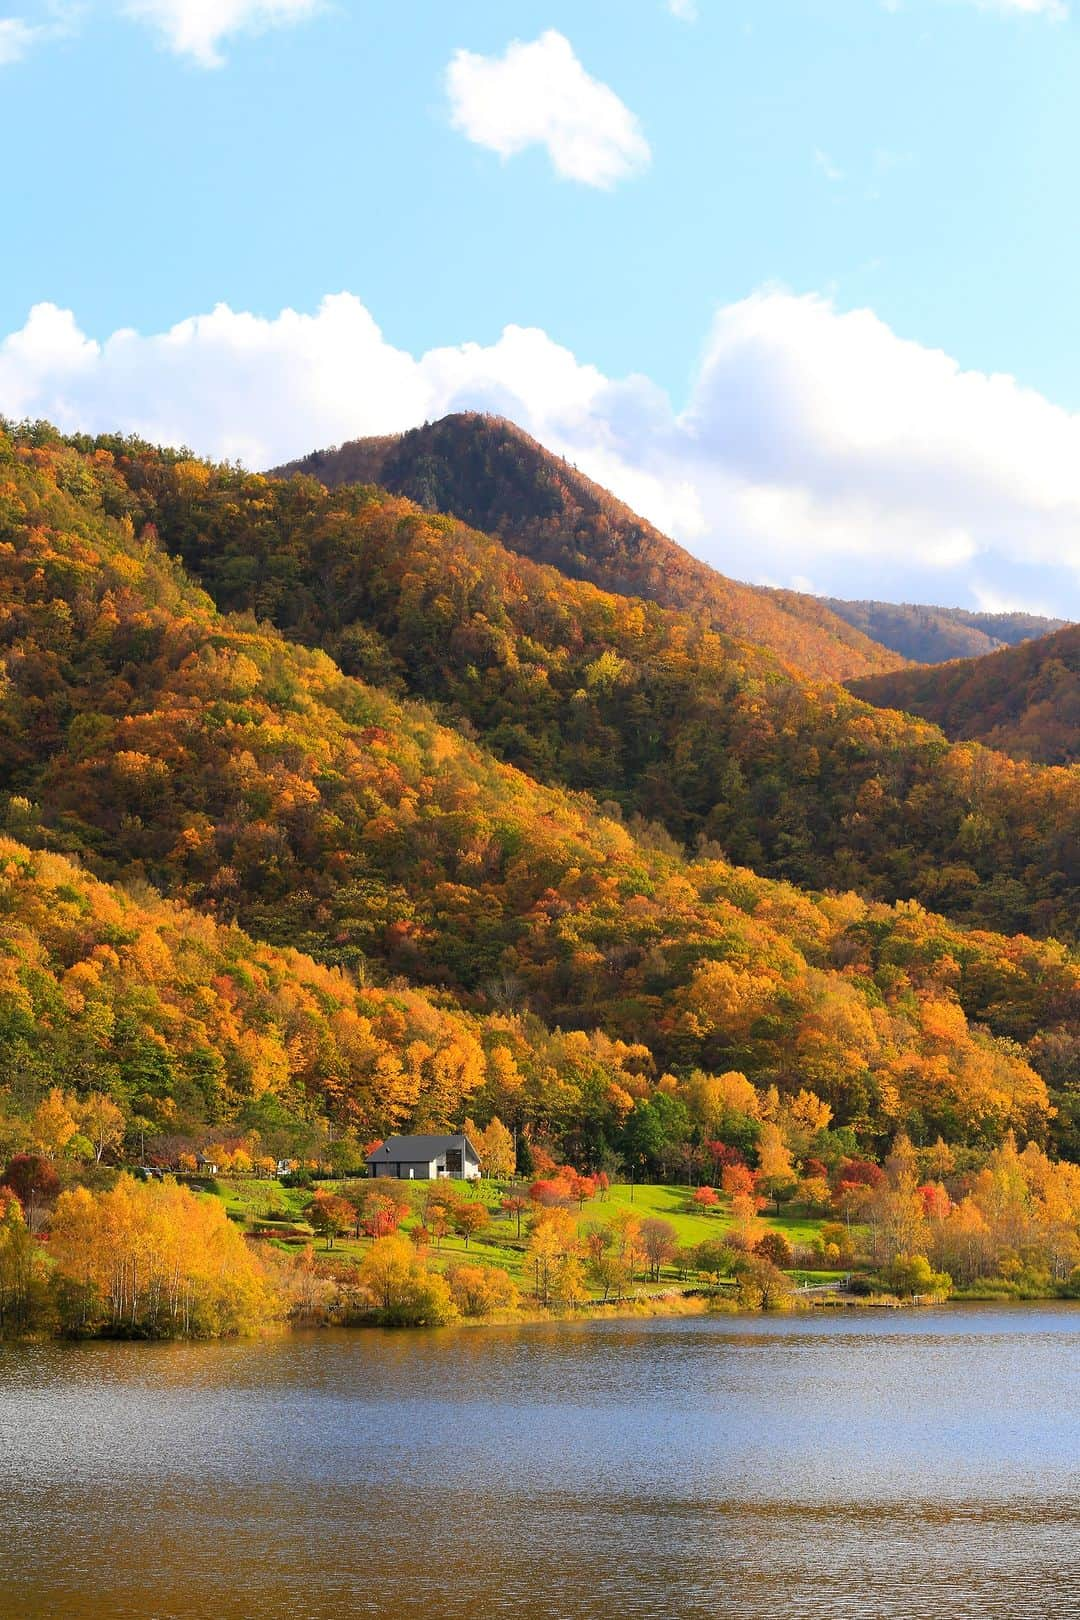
{"x": 425, "y": 1158}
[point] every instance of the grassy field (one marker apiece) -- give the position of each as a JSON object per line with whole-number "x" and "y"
{"x": 249, "y": 1201}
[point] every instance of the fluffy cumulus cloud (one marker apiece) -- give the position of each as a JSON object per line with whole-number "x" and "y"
{"x": 197, "y": 28}
{"x": 816, "y": 448}
{"x": 540, "y": 95}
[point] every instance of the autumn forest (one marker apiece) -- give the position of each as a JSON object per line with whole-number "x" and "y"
{"x": 423, "y": 789}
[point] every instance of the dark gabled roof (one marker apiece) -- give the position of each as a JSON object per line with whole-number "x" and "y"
{"x": 403, "y": 1148}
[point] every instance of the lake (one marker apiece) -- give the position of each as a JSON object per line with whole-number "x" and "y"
{"x": 872, "y": 1465}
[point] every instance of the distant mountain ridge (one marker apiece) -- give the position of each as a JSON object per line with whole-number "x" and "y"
{"x": 932, "y": 635}
{"x": 493, "y": 476}
{"x": 1023, "y": 701}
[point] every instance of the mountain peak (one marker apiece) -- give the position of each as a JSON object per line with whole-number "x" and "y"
{"x": 491, "y": 474}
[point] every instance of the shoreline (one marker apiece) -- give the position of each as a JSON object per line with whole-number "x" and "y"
{"x": 623, "y": 1311}
{"x": 658, "y": 1307}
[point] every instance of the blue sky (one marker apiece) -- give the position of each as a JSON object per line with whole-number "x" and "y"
{"x": 788, "y": 160}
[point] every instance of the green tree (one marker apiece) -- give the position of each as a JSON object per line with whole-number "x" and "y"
{"x": 912, "y": 1274}
{"x": 713, "y": 1260}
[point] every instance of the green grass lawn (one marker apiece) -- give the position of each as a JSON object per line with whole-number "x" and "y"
{"x": 244, "y": 1195}
{"x": 668, "y": 1203}
{"x": 248, "y": 1200}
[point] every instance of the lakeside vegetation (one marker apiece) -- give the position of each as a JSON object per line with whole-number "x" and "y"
{"x": 115, "y": 1254}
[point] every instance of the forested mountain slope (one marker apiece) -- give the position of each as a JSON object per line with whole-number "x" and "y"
{"x": 1024, "y": 700}
{"x": 636, "y": 703}
{"x": 188, "y": 1021}
{"x": 159, "y": 740}
{"x": 932, "y": 635}
{"x": 487, "y": 472}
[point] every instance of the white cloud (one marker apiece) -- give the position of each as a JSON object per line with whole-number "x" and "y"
{"x": 19, "y": 37}
{"x": 1057, "y": 10}
{"x": 196, "y": 28}
{"x": 192, "y": 28}
{"x": 16, "y": 38}
{"x": 685, "y": 10}
{"x": 814, "y": 445}
{"x": 540, "y": 95}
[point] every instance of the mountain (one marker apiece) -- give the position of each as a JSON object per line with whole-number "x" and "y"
{"x": 1023, "y": 700}
{"x": 931, "y": 635}
{"x": 493, "y": 476}
{"x": 551, "y": 963}
{"x": 642, "y": 706}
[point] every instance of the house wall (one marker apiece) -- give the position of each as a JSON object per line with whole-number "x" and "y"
{"x": 414, "y": 1170}
{"x": 470, "y": 1169}
{"x": 424, "y": 1170}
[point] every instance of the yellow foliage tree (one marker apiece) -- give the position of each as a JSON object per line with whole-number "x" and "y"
{"x": 153, "y": 1258}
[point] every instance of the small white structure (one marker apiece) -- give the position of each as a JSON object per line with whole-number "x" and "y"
{"x": 425, "y": 1158}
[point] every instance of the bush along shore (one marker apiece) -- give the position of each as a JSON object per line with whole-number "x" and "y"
{"x": 105, "y": 1251}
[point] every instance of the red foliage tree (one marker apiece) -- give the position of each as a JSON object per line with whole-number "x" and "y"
{"x": 722, "y": 1154}
{"x": 861, "y": 1172}
{"x": 737, "y": 1181}
{"x": 381, "y": 1216}
{"x": 582, "y": 1188}
{"x": 551, "y": 1193}
{"x": 935, "y": 1201}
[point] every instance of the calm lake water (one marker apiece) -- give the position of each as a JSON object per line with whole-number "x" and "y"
{"x": 908, "y": 1465}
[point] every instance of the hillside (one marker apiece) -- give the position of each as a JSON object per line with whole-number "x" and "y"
{"x": 932, "y": 635}
{"x": 1023, "y": 700}
{"x": 642, "y": 706}
{"x": 159, "y": 740}
{"x": 189, "y": 1022}
{"x": 487, "y": 472}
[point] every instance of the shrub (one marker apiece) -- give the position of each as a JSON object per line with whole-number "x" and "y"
{"x": 763, "y": 1286}
{"x": 297, "y": 1178}
{"x": 402, "y": 1289}
{"x": 774, "y": 1246}
{"x": 479, "y": 1290}
{"x": 911, "y": 1274}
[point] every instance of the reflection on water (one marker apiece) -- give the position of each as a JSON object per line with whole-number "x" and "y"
{"x": 870, "y": 1466}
